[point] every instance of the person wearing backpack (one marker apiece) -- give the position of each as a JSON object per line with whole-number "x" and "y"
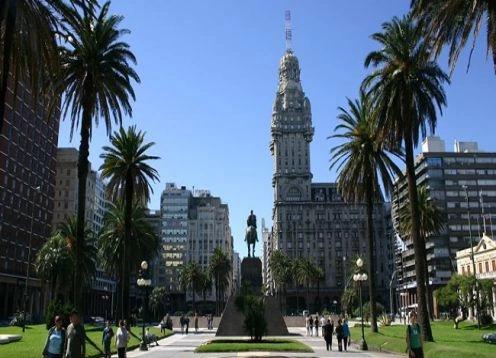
{"x": 108, "y": 333}
{"x": 414, "y": 338}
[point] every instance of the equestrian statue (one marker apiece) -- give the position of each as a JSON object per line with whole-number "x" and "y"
{"x": 251, "y": 232}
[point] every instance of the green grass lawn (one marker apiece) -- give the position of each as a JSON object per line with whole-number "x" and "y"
{"x": 449, "y": 342}
{"x": 243, "y": 345}
{"x": 33, "y": 340}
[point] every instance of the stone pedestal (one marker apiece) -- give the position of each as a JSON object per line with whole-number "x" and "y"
{"x": 232, "y": 321}
{"x": 251, "y": 274}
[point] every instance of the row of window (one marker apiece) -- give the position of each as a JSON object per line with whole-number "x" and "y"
{"x": 481, "y": 265}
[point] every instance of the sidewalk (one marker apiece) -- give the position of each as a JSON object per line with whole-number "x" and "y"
{"x": 183, "y": 346}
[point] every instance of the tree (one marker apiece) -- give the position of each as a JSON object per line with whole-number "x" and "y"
{"x": 119, "y": 262}
{"x": 94, "y": 81}
{"x": 54, "y": 265}
{"x": 431, "y": 223}
{"x": 406, "y": 90}
{"x": 456, "y": 295}
{"x": 190, "y": 280}
{"x": 307, "y": 274}
{"x": 28, "y": 46}
{"x": 125, "y": 166}
{"x": 57, "y": 258}
{"x": 280, "y": 268}
{"x": 454, "y": 22}
{"x": 157, "y": 301}
{"x": 298, "y": 278}
{"x": 219, "y": 269}
{"x": 364, "y": 162}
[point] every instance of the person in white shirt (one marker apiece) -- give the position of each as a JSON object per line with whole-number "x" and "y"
{"x": 121, "y": 339}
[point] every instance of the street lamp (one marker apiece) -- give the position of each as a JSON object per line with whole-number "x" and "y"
{"x": 359, "y": 278}
{"x": 143, "y": 283}
{"x": 391, "y": 299}
{"x": 36, "y": 190}
{"x": 105, "y": 298}
{"x": 472, "y": 255}
{"x": 335, "y": 305}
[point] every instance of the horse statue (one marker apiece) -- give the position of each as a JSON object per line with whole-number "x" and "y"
{"x": 251, "y": 239}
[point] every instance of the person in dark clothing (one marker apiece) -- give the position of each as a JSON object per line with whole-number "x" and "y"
{"x": 414, "y": 338}
{"x": 327, "y": 331}
{"x": 339, "y": 335}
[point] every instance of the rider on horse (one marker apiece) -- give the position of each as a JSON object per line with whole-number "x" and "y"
{"x": 251, "y": 232}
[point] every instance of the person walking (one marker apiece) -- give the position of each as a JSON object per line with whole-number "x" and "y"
{"x": 310, "y": 323}
{"x": 55, "y": 342}
{"x": 196, "y": 322}
{"x": 107, "y": 335}
{"x": 414, "y": 338}
{"x": 322, "y": 324}
{"x": 316, "y": 325}
{"x": 346, "y": 335}
{"x": 121, "y": 339}
{"x": 339, "y": 335}
{"x": 76, "y": 335}
{"x": 307, "y": 324}
{"x": 327, "y": 331}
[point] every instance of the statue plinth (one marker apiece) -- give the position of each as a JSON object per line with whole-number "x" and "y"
{"x": 251, "y": 274}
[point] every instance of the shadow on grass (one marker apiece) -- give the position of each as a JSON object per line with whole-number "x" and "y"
{"x": 474, "y": 327}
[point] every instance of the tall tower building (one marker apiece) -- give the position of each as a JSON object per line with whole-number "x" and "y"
{"x": 462, "y": 184}
{"x": 28, "y": 145}
{"x": 175, "y": 204}
{"x": 311, "y": 219}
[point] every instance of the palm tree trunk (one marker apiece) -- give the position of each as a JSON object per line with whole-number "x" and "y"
{"x": 10, "y": 7}
{"x": 418, "y": 240}
{"x": 128, "y": 214}
{"x": 370, "y": 241}
{"x": 81, "y": 207}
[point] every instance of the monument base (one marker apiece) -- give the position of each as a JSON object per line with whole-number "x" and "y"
{"x": 232, "y": 321}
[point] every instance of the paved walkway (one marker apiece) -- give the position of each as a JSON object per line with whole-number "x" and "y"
{"x": 183, "y": 346}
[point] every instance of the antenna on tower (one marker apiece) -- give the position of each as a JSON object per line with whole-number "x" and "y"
{"x": 289, "y": 33}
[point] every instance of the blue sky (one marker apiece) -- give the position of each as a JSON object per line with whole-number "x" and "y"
{"x": 209, "y": 72}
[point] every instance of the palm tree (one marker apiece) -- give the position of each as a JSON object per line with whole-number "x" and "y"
{"x": 28, "y": 44}
{"x": 117, "y": 261}
{"x": 454, "y": 22}
{"x": 280, "y": 267}
{"x": 431, "y": 223}
{"x": 128, "y": 173}
{"x": 189, "y": 279}
{"x": 406, "y": 88}
{"x": 308, "y": 274}
{"x": 296, "y": 270}
{"x": 157, "y": 300}
{"x": 95, "y": 82}
{"x": 364, "y": 161}
{"x": 54, "y": 265}
{"x": 219, "y": 269}
{"x": 57, "y": 257}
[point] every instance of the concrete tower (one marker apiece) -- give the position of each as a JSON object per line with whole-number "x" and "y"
{"x": 292, "y": 133}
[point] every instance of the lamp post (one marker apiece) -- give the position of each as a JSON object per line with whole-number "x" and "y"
{"x": 335, "y": 305}
{"x": 359, "y": 278}
{"x": 36, "y": 190}
{"x": 472, "y": 255}
{"x": 143, "y": 283}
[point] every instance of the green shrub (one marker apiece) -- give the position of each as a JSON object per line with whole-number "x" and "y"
{"x": 253, "y": 309}
{"x": 56, "y": 307}
{"x": 366, "y": 310}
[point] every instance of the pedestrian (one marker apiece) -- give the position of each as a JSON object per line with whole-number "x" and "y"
{"x": 186, "y": 322}
{"x": 182, "y": 322}
{"x": 316, "y": 325}
{"x": 121, "y": 339}
{"x": 414, "y": 338}
{"x": 327, "y": 331}
{"x": 107, "y": 335}
{"x": 163, "y": 324}
{"x": 307, "y": 324}
{"x": 55, "y": 342}
{"x": 346, "y": 335}
{"x": 196, "y": 322}
{"x": 310, "y": 323}
{"x": 322, "y": 324}
{"x": 76, "y": 335}
{"x": 339, "y": 335}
